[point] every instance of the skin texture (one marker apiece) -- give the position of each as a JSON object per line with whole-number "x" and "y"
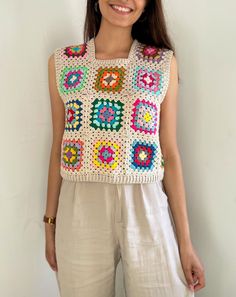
{"x": 54, "y": 178}
{"x": 112, "y": 41}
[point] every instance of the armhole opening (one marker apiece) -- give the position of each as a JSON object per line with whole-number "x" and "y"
{"x": 57, "y": 70}
{"x": 167, "y": 77}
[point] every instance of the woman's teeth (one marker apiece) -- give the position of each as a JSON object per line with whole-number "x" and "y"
{"x": 120, "y": 8}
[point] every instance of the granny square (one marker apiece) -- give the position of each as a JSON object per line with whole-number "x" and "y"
{"x": 106, "y": 114}
{"x": 73, "y": 115}
{"x": 75, "y": 50}
{"x": 143, "y": 154}
{"x": 72, "y": 154}
{"x": 148, "y": 80}
{"x": 109, "y": 79}
{"x": 73, "y": 78}
{"x": 144, "y": 116}
{"x": 150, "y": 53}
{"x": 106, "y": 154}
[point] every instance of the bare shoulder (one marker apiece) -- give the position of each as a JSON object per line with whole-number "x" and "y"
{"x": 51, "y": 59}
{"x": 51, "y": 63}
{"x": 51, "y": 70}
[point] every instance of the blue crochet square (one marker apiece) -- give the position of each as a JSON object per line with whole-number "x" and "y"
{"x": 143, "y": 155}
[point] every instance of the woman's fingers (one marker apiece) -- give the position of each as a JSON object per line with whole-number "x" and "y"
{"x": 50, "y": 250}
{"x": 51, "y": 257}
{"x": 189, "y": 278}
{"x": 200, "y": 280}
{"x": 193, "y": 269}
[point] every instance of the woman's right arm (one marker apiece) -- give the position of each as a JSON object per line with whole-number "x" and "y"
{"x": 54, "y": 177}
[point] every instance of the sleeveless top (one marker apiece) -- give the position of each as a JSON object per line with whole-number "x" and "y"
{"x": 112, "y": 113}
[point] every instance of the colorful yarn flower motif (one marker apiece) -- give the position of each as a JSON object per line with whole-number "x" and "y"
{"x": 73, "y": 112}
{"x": 106, "y": 114}
{"x": 109, "y": 79}
{"x": 73, "y": 78}
{"x": 143, "y": 155}
{"x": 148, "y": 80}
{"x": 106, "y": 154}
{"x": 76, "y": 50}
{"x": 72, "y": 154}
{"x": 144, "y": 116}
{"x": 150, "y": 53}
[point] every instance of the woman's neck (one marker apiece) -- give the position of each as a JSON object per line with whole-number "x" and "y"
{"x": 112, "y": 41}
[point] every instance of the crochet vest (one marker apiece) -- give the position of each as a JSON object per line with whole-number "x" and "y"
{"x": 112, "y": 113}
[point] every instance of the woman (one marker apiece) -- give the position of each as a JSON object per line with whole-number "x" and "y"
{"x": 108, "y": 196}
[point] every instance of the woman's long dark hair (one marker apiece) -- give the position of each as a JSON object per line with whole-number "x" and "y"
{"x": 150, "y": 28}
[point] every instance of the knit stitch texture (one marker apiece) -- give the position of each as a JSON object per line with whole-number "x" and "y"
{"x": 112, "y": 113}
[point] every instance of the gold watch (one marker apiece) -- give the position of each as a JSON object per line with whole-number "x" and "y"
{"x": 49, "y": 220}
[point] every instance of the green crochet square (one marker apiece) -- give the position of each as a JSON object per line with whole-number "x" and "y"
{"x": 106, "y": 114}
{"x": 73, "y": 79}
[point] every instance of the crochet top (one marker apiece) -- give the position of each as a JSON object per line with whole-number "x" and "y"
{"x": 112, "y": 113}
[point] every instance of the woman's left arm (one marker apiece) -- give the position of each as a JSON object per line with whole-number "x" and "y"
{"x": 174, "y": 182}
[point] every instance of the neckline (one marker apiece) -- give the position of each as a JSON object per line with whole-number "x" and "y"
{"x": 92, "y": 53}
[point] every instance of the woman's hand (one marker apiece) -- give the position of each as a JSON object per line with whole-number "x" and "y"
{"x": 192, "y": 267}
{"x": 50, "y": 251}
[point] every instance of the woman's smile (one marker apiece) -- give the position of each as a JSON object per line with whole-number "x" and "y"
{"x": 121, "y": 9}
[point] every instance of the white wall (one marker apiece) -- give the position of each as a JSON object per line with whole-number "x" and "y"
{"x": 204, "y": 35}
{"x": 205, "y": 38}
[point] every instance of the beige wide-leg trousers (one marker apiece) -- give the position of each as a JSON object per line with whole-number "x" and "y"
{"x": 99, "y": 224}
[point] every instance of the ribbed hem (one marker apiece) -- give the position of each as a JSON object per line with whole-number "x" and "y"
{"x": 118, "y": 179}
